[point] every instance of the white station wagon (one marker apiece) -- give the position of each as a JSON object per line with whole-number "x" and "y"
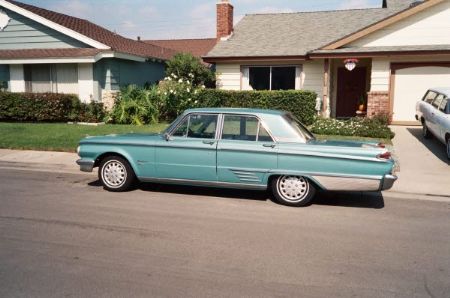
{"x": 434, "y": 113}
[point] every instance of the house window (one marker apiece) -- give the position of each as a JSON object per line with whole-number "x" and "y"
{"x": 53, "y": 78}
{"x": 271, "y": 77}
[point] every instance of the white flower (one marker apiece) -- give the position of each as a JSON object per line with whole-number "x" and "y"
{"x": 180, "y": 81}
{"x": 174, "y": 75}
{"x": 203, "y": 86}
{"x": 174, "y": 92}
{"x": 188, "y": 90}
{"x": 191, "y": 75}
{"x": 189, "y": 99}
{"x": 169, "y": 79}
{"x": 165, "y": 93}
{"x": 196, "y": 101}
{"x": 195, "y": 92}
{"x": 171, "y": 91}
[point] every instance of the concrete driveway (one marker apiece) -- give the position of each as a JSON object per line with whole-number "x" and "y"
{"x": 424, "y": 168}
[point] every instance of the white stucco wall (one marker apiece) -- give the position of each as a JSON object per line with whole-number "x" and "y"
{"x": 86, "y": 91}
{"x": 17, "y": 79}
{"x": 429, "y": 27}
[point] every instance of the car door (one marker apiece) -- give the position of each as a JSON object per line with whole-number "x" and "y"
{"x": 246, "y": 152}
{"x": 190, "y": 151}
{"x": 425, "y": 107}
{"x": 442, "y": 119}
{"x": 433, "y": 117}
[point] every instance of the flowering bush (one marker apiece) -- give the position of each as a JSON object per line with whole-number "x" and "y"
{"x": 176, "y": 95}
{"x": 376, "y": 127}
{"x": 189, "y": 68}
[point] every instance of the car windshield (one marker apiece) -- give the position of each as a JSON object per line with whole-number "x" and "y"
{"x": 299, "y": 128}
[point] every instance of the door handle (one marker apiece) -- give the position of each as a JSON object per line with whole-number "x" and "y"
{"x": 209, "y": 142}
{"x": 269, "y": 145}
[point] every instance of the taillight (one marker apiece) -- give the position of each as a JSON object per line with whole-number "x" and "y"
{"x": 385, "y": 155}
{"x": 381, "y": 145}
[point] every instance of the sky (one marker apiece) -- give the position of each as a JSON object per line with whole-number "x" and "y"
{"x": 169, "y": 19}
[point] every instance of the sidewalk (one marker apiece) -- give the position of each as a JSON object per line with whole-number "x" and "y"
{"x": 424, "y": 172}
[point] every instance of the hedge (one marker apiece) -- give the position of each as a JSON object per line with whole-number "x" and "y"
{"x": 300, "y": 103}
{"x": 47, "y": 107}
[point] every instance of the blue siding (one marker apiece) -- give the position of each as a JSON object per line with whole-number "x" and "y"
{"x": 112, "y": 74}
{"x": 4, "y": 76}
{"x": 24, "y": 33}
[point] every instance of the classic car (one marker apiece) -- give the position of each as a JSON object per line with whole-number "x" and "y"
{"x": 243, "y": 149}
{"x": 434, "y": 113}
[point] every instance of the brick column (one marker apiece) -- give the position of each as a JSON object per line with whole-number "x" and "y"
{"x": 378, "y": 103}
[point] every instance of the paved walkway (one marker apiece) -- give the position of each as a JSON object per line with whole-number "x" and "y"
{"x": 424, "y": 168}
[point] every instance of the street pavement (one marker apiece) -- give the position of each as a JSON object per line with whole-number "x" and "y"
{"x": 62, "y": 235}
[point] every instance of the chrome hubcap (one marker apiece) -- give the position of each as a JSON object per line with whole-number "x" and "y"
{"x": 114, "y": 174}
{"x": 293, "y": 188}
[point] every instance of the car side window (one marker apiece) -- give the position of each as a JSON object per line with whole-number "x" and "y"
{"x": 443, "y": 105}
{"x": 263, "y": 135}
{"x": 437, "y": 101}
{"x": 197, "y": 126}
{"x": 242, "y": 128}
{"x": 430, "y": 96}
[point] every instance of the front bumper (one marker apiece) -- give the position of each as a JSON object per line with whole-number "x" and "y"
{"x": 86, "y": 165}
{"x": 388, "y": 182}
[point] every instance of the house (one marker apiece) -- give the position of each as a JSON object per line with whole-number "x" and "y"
{"x": 388, "y": 56}
{"x": 197, "y": 47}
{"x": 46, "y": 51}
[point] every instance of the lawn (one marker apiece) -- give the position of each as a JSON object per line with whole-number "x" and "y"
{"x": 65, "y": 137}
{"x": 60, "y": 137}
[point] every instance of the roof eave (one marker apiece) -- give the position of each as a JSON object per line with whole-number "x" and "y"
{"x": 212, "y": 59}
{"x": 377, "y": 54}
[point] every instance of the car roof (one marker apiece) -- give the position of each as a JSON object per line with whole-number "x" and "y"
{"x": 236, "y": 111}
{"x": 443, "y": 90}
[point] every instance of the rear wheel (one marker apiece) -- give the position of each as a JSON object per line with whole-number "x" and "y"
{"x": 294, "y": 191}
{"x": 116, "y": 174}
{"x": 425, "y": 131}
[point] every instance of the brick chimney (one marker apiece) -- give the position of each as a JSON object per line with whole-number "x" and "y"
{"x": 224, "y": 19}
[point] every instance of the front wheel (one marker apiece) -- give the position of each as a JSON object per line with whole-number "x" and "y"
{"x": 425, "y": 131}
{"x": 116, "y": 174}
{"x": 448, "y": 148}
{"x": 294, "y": 191}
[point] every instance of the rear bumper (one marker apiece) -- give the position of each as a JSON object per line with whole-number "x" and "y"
{"x": 86, "y": 165}
{"x": 388, "y": 182}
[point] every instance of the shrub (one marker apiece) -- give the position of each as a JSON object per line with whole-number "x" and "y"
{"x": 135, "y": 105}
{"x": 47, "y": 107}
{"x": 189, "y": 68}
{"x": 376, "y": 127}
{"x": 300, "y": 103}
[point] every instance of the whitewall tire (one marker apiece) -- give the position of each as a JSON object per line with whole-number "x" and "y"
{"x": 116, "y": 174}
{"x": 294, "y": 191}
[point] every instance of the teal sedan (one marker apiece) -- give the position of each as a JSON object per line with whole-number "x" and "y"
{"x": 242, "y": 149}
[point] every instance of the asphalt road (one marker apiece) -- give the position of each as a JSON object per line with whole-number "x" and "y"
{"x": 61, "y": 235}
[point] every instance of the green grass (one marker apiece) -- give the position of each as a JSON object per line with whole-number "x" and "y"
{"x": 65, "y": 137}
{"x": 58, "y": 136}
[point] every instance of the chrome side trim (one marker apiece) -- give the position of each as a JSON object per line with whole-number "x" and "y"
{"x": 347, "y": 183}
{"x": 328, "y": 155}
{"x": 86, "y": 165}
{"x": 388, "y": 182}
{"x": 204, "y": 183}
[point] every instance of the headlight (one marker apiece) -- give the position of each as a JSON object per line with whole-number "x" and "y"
{"x": 78, "y": 150}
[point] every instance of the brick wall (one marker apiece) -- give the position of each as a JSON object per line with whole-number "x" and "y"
{"x": 224, "y": 19}
{"x": 378, "y": 103}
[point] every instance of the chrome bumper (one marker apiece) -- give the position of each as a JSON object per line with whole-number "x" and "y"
{"x": 388, "y": 182}
{"x": 86, "y": 165}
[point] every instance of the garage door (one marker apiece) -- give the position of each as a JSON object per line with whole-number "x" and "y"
{"x": 410, "y": 86}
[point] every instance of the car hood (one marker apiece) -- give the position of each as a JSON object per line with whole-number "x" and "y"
{"x": 131, "y": 138}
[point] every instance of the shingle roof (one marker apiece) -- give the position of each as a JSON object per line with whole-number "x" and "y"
{"x": 115, "y": 41}
{"x": 197, "y": 47}
{"x": 49, "y": 53}
{"x": 296, "y": 34}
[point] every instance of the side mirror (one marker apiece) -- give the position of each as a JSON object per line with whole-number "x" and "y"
{"x": 167, "y": 137}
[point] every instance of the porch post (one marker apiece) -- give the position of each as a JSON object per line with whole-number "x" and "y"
{"x": 326, "y": 88}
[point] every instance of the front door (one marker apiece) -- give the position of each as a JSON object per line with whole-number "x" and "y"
{"x": 351, "y": 88}
{"x": 190, "y": 152}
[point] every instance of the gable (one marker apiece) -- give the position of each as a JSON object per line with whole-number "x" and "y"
{"x": 428, "y": 27}
{"x": 24, "y": 33}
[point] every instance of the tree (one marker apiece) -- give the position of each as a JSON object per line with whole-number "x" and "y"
{"x": 190, "y": 68}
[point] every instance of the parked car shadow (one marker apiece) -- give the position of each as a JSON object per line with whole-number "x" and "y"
{"x": 354, "y": 200}
{"x": 435, "y": 147}
{"x": 350, "y": 199}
